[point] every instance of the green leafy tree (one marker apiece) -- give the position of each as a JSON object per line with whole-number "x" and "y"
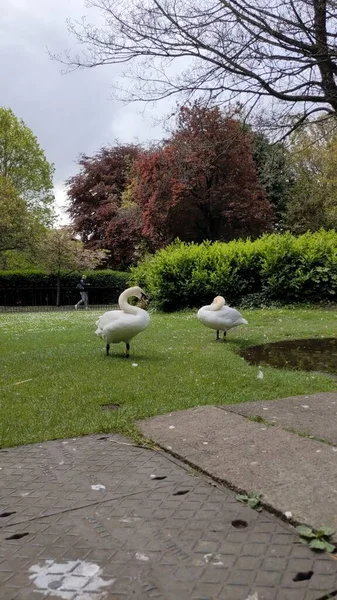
{"x": 313, "y": 160}
{"x": 19, "y": 228}
{"x": 274, "y": 173}
{"x": 60, "y": 252}
{"x": 24, "y": 165}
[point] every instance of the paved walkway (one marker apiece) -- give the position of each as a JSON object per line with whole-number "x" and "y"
{"x": 99, "y": 519}
{"x": 294, "y": 473}
{"x": 314, "y": 415}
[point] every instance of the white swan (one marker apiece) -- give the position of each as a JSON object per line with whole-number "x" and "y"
{"x": 220, "y": 317}
{"x": 117, "y": 326}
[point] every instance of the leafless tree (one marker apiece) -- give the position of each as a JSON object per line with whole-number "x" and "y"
{"x": 279, "y": 53}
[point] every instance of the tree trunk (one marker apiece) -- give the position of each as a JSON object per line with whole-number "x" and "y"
{"x": 326, "y": 64}
{"x": 58, "y": 290}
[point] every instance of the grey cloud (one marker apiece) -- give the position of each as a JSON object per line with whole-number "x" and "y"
{"x": 69, "y": 114}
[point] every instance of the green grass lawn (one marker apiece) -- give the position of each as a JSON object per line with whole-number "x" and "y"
{"x": 179, "y": 366}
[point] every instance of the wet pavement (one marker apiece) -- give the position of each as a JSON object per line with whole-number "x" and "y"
{"x": 97, "y": 518}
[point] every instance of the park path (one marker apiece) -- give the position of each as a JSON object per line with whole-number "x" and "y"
{"x": 97, "y": 518}
{"x": 284, "y": 449}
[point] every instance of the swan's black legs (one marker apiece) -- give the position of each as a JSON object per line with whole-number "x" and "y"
{"x": 217, "y": 335}
{"x": 224, "y": 335}
{"x": 107, "y": 349}
{"x": 127, "y": 350}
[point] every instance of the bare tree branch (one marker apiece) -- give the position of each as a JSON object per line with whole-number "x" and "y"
{"x": 218, "y": 50}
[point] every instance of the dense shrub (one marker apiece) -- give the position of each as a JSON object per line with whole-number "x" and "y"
{"x": 274, "y": 268}
{"x": 37, "y": 288}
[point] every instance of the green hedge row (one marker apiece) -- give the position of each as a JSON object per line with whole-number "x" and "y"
{"x": 38, "y": 288}
{"x": 277, "y": 268}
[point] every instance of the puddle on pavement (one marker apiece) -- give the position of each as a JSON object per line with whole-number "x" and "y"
{"x": 318, "y": 354}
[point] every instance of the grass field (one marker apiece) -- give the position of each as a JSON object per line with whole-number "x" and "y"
{"x": 54, "y": 375}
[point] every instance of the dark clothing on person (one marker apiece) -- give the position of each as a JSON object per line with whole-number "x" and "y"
{"x": 82, "y": 286}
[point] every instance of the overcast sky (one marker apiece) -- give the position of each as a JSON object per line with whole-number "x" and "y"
{"x": 72, "y": 113}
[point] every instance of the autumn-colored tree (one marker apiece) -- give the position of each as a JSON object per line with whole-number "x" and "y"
{"x": 202, "y": 183}
{"x": 199, "y": 184}
{"x": 99, "y": 214}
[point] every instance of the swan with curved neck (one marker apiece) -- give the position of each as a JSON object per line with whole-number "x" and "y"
{"x": 217, "y": 303}
{"x": 122, "y": 325}
{"x": 220, "y": 317}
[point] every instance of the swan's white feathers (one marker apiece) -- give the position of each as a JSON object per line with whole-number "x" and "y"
{"x": 116, "y": 326}
{"x": 121, "y": 327}
{"x": 221, "y": 319}
{"x": 108, "y": 317}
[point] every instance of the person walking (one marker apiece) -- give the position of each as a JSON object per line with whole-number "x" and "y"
{"x": 82, "y": 286}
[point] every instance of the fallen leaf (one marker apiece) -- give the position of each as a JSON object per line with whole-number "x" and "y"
{"x": 24, "y": 381}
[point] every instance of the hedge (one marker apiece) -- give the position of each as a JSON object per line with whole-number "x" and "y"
{"x": 277, "y": 268}
{"x": 37, "y": 288}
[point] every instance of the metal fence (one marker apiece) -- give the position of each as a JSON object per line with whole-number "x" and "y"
{"x": 45, "y": 299}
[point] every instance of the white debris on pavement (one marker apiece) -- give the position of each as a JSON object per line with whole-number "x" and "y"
{"x": 142, "y": 557}
{"x": 214, "y": 559}
{"x": 71, "y": 579}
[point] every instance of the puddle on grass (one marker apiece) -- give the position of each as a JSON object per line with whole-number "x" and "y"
{"x": 317, "y": 354}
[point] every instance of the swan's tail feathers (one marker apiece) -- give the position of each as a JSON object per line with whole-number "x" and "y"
{"x": 244, "y": 322}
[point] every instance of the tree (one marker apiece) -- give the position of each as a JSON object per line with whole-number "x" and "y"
{"x": 202, "y": 183}
{"x": 222, "y": 50}
{"x": 59, "y": 252}
{"x": 100, "y": 215}
{"x": 18, "y": 227}
{"x": 24, "y": 165}
{"x": 274, "y": 173}
{"x": 313, "y": 160}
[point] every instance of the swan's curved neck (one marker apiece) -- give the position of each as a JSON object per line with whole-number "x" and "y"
{"x": 125, "y": 306}
{"x": 217, "y": 303}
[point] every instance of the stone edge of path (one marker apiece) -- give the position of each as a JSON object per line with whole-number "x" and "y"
{"x": 223, "y": 480}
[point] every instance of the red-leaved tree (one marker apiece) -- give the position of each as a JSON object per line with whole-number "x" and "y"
{"x": 202, "y": 183}
{"x": 97, "y": 209}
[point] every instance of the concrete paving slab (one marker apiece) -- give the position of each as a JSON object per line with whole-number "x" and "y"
{"x": 314, "y": 415}
{"x": 99, "y": 519}
{"x": 293, "y": 473}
